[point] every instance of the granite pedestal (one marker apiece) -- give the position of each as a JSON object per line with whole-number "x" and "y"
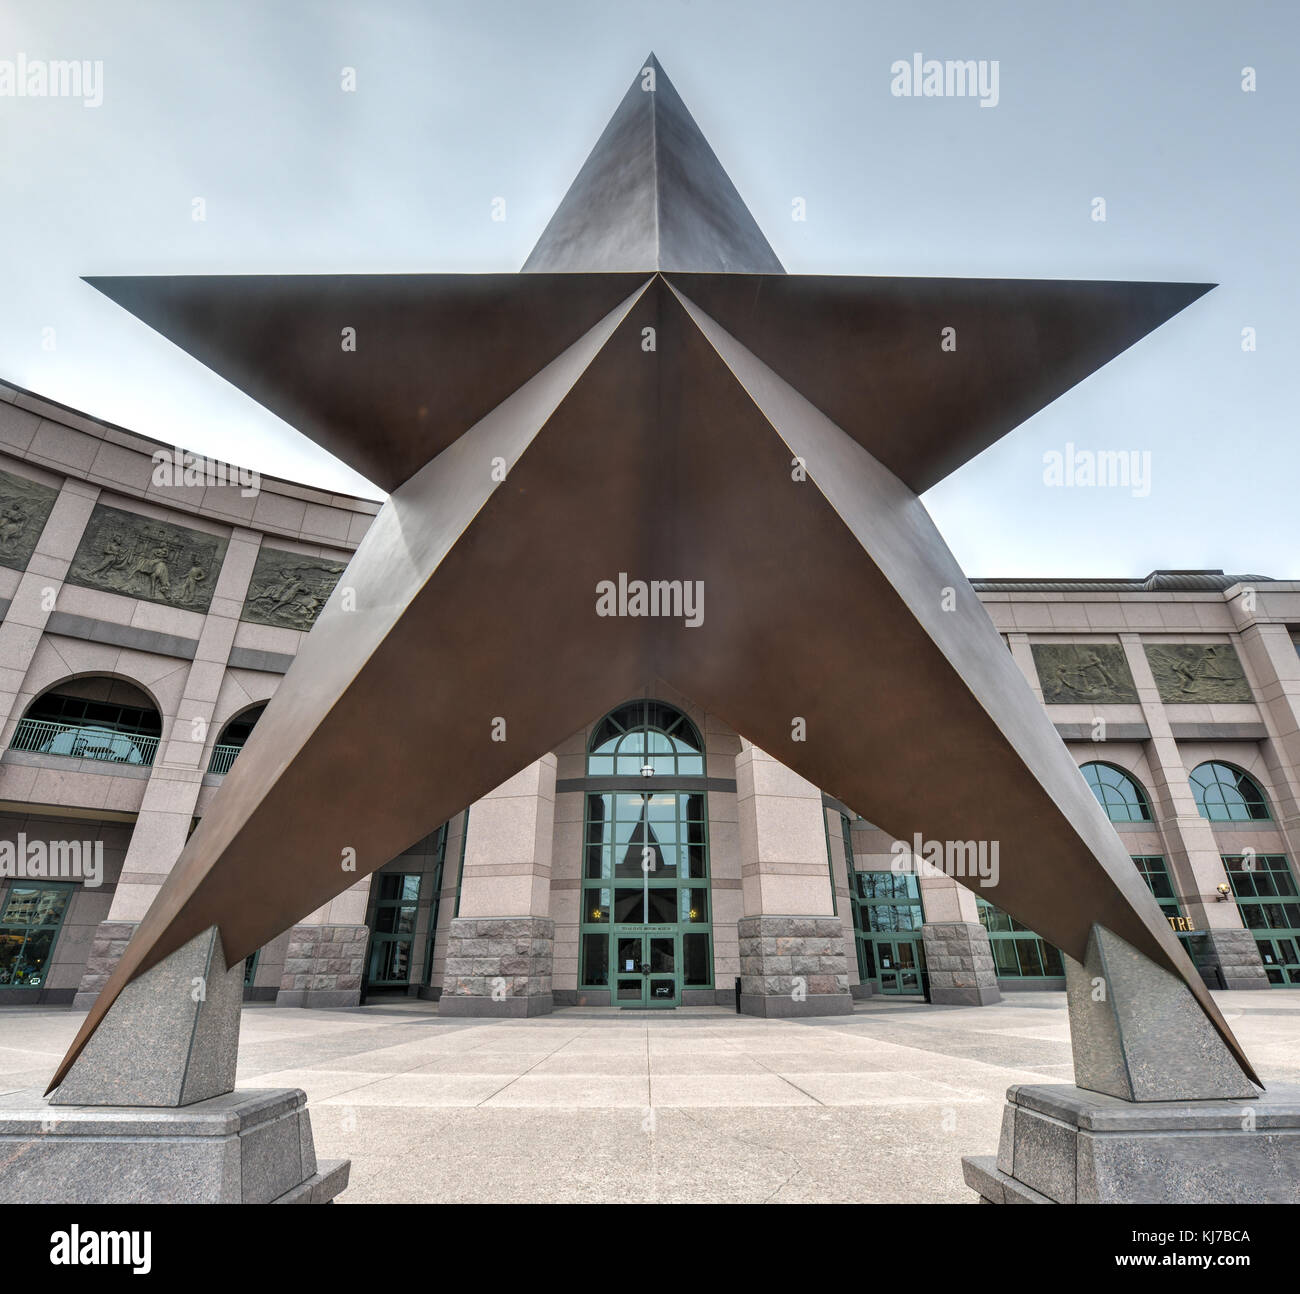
{"x": 1063, "y": 1145}
{"x": 148, "y": 1114}
{"x": 1160, "y": 1112}
{"x": 247, "y": 1147}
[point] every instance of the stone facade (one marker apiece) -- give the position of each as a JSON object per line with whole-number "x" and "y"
{"x": 793, "y": 966}
{"x": 1236, "y": 954}
{"x": 323, "y": 966}
{"x": 959, "y": 962}
{"x": 200, "y": 597}
{"x": 106, "y": 948}
{"x": 500, "y": 966}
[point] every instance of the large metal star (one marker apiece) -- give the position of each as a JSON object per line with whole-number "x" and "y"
{"x": 538, "y": 438}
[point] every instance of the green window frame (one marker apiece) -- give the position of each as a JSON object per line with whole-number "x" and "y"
{"x": 645, "y": 860}
{"x": 1268, "y": 899}
{"x": 1119, "y": 793}
{"x": 1018, "y": 953}
{"x": 1227, "y": 794}
{"x": 645, "y": 734}
{"x": 30, "y": 921}
{"x": 392, "y": 936}
{"x": 1155, "y": 872}
{"x": 887, "y": 908}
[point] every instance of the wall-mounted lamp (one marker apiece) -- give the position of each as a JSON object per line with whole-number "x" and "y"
{"x": 1225, "y": 890}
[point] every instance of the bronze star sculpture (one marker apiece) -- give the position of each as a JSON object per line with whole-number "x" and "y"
{"x": 653, "y": 397}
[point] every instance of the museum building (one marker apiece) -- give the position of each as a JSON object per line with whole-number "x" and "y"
{"x": 146, "y": 625}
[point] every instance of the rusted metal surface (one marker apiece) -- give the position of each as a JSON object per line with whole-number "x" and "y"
{"x": 825, "y": 598}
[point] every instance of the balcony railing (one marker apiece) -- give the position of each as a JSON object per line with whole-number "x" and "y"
{"x": 83, "y": 741}
{"x": 222, "y": 758}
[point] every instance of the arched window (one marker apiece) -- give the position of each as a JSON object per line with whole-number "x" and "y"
{"x": 1119, "y": 794}
{"x": 1226, "y": 794}
{"x": 96, "y": 717}
{"x": 645, "y": 734}
{"x": 232, "y": 739}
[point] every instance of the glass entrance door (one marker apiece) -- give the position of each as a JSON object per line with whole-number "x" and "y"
{"x": 646, "y": 972}
{"x": 899, "y": 963}
{"x": 645, "y": 934}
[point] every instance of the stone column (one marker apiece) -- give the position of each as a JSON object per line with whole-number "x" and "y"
{"x": 325, "y": 960}
{"x": 792, "y": 949}
{"x": 958, "y": 956}
{"x": 1272, "y": 663}
{"x": 1194, "y": 858}
{"x": 167, "y": 809}
{"x": 501, "y": 945}
{"x": 36, "y": 596}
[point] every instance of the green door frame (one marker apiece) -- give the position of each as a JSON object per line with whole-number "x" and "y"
{"x": 647, "y": 973}
{"x": 670, "y": 880}
{"x": 399, "y": 913}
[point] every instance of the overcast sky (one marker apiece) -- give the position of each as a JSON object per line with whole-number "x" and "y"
{"x": 456, "y": 104}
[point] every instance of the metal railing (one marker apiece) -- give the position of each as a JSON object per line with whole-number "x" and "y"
{"x": 83, "y": 741}
{"x": 222, "y": 758}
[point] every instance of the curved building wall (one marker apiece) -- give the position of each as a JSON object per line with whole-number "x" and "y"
{"x": 199, "y": 597}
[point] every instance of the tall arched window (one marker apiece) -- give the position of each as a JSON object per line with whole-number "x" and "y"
{"x": 1226, "y": 794}
{"x": 645, "y": 734}
{"x": 1119, "y": 794}
{"x": 645, "y": 918}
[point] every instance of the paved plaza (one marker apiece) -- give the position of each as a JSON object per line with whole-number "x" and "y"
{"x": 697, "y": 1104}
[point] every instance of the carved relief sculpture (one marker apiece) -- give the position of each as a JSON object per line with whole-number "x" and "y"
{"x": 24, "y": 509}
{"x": 1079, "y": 673}
{"x": 289, "y": 589}
{"x": 1197, "y": 672}
{"x": 123, "y": 552}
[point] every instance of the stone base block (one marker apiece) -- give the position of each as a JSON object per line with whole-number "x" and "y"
{"x": 1061, "y": 1144}
{"x": 246, "y": 1147}
{"x": 323, "y": 966}
{"x": 498, "y": 966}
{"x": 959, "y": 962}
{"x": 793, "y": 966}
{"x": 1232, "y": 954}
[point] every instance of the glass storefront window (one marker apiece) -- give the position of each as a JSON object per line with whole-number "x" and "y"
{"x": 29, "y": 924}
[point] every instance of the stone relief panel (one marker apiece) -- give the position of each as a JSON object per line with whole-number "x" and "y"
{"x": 1083, "y": 673}
{"x": 25, "y": 507}
{"x": 1197, "y": 672}
{"x": 123, "y": 552}
{"x": 289, "y": 590}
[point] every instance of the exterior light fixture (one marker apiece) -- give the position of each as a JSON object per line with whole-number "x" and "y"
{"x": 1224, "y": 889}
{"x": 647, "y": 770}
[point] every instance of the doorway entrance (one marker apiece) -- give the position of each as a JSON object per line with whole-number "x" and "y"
{"x": 646, "y": 970}
{"x": 899, "y": 963}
